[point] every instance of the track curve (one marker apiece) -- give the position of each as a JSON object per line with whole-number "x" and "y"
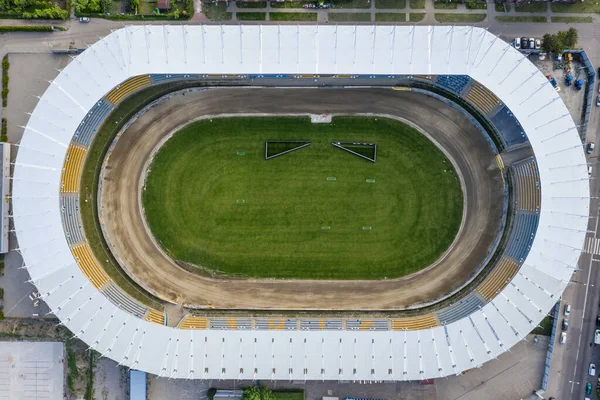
{"x": 135, "y": 249}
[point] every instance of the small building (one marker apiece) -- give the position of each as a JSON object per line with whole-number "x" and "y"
{"x": 137, "y": 385}
{"x": 163, "y": 5}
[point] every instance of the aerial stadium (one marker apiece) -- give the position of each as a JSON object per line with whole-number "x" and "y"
{"x": 380, "y": 203}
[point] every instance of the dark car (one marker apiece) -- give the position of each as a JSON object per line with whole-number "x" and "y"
{"x": 524, "y": 43}
{"x": 565, "y": 325}
{"x": 588, "y": 389}
{"x": 598, "y": 320}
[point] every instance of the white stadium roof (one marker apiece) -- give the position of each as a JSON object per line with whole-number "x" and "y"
{"x": 300, "y": 355}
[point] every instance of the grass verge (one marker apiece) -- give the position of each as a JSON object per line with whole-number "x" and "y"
{"x": 351, "y": 3}
{"x": 251, "y": 16}
{"x": 416, "y": 17}
{"x": 445, "y": 6}
{"x": 572, "y": 20}
{"x": 286, "y": 4}
{"x": 390, "y": 4}
{"x": 538, "y": 7}
{"x": 500, "y": 7}
{"x": 216, "y": 11}
{"x": 291, "y": 395}
{"x": 370, "y": 226}
{"x": 391, "y": 17}
{"x": 5, "y": 68}
{"x": 348, "y": 17}
{"x": 474, "y": 5}
{"x": 503, "y": 18}
{"x": 583, "y": 7}
{"x": 251, "y": 4}
{"x": 544, "y": 328}
{"x": 459, "y": 17}
{"x": 293, "y": 16}
{"x": 417, "y": 4}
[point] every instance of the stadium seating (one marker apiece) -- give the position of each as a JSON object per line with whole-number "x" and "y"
{"x": 321, "y": 324}
{"x": 72, "y": 169}
{"x": 461, "y": 309}
{"x": 231, "y": 323}
{"x": 194, "y": 323}
{"x": 526, "y": 178}
{"x": 124, "y": 301}
{"x": 277, "y": 324}
{"x": 367, "y": 324}
{"x": 482, "y": 98}
{"x": 128, "y": 87}
{"x": 415, "y": 323}
{"x": 429, "y": 78}
{"x": 522, "y": 234}
{"x": 89, "y": 126}
{"x": 508, "y": 126}
{"x": 69, "y": 206}
{"x": 155, "y": 316}
{"x": 88, "y": 265}
{"x": 503, "y": 272}
{"x": 453, "y": 83}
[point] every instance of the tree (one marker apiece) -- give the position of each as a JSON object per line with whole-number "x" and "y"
{"x": 106, "y": 6}
{"x": 257, "y": 393}
{"x": 560, "y": 41}
{"x": 134, "y": 5}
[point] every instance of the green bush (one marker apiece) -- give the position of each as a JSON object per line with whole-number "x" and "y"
{"x": 211, "y": 393}
{"x": 5, "y": 67}
{"x": 1, "y": 315}
{"x": 1, "y": 293}
{"x": 3, "y": 138}
{"x": 26, "y": 28}
{"x": 32, "y": 9}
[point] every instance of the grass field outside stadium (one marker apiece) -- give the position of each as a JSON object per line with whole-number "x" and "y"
{"x": 212, "y": 200}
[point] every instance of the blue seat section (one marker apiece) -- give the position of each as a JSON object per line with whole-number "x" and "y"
{"x": 459, "y": 310}
{"x": 508, "y": 126}
{"x": 123, "y": 301}
{"x": 454, "y": 83}
{"x": 69, "y": 208}
{"x": 523, "y": 232}
{"x": 89, "y": 126}
{"x": 161, "y": 78}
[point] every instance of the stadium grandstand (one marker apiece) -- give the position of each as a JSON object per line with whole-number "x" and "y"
{"x": 5, "y": 192}
{"x": 468, "y": 62}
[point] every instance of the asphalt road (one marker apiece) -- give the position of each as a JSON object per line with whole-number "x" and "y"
{"x": 135, "y": 249}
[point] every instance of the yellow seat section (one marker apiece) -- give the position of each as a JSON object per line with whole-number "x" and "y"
{"x": 415, "y": 323}
{"x": 498, "y": 279}
{"x": 528, "y": 192}
{"x": 155, "y": 316}
{"x": 482, "y": 98}
{"x": 277, "y": 324}
{"x": 88, "y": 265}
{"x": 126, "y": 88}
{"x": 194, "y": 323}
{"x": 72, "y": 169}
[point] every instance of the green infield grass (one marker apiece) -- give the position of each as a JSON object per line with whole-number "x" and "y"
{"x": 212, "y": 200}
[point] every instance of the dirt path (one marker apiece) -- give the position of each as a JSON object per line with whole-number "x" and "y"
{"x": 461, "y": 140}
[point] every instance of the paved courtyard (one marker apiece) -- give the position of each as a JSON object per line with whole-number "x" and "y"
{"x": 32, "y": 370}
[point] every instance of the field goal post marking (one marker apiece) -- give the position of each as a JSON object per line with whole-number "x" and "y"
{"x": 340, "y": 145}
{"x": 304, "y": 143}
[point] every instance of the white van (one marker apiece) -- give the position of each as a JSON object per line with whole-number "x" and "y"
{"x": 597, "y": 336}
{"x": 567, "y": 310}
{"x": 563, "y": 338}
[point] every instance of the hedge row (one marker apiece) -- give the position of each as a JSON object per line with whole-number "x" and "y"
{"x": 189, "y": 12}
{"x": 5, "y": 67}
{"x": 26, "y": 28}
{"x": 3, "y": 135}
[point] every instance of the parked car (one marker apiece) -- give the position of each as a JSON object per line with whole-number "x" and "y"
{"x": 588, "y": 389}
{"x": 538, "y": 44}
{"x": 84, "y": 20}
{"x": 597, "y": 341}
{"x": 565, "y": 325}
{"x": 563, "y": 338}
{"x": 592, "y": 369}
{"x": 598, "y": 320}
{"x": 598, "y": 101}
{"x": 590, "y": 150}
{"x": 524, "y": 43}
{"x": 567, "y": 310}
{"x": 517, "y": 43}
{"x": 531, "y": 43}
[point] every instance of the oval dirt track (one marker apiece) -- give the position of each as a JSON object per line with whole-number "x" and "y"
{"x": 135, "y": 249}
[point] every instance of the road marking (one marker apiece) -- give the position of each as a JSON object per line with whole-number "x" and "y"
{"x": 587, "y": 286}
{"x": 592, "y": 245}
